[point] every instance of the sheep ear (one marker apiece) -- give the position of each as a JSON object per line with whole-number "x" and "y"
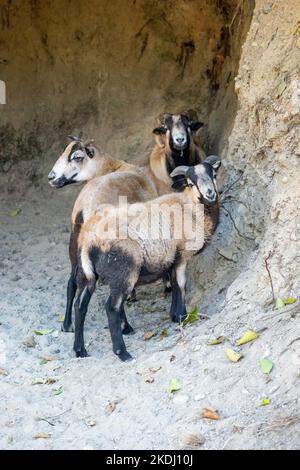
{"x": 159, "y": 130}
{"x": 214, "y": 161}
{"x": 195, "y": 125}
{"x": 87, "y": 143}
{"x": 180, "y": 170}
{"x": 73, "y": 138}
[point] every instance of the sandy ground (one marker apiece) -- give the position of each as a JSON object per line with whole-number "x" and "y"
{"x": 105, "y": 404}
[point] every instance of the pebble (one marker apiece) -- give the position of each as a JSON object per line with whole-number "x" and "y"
{"x": 180, "y": 399}
{"x": 199, "y": 397}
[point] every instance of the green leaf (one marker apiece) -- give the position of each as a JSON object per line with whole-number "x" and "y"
{"x": 217, "y": 340}
{"x": 174, "y": 385}
{"x": 57, "y": 391}
{"x": 233, "y": 356}
{"x": 44, "y": 332}
{"x": 15, "y": 212}
{"x": 192, "y": 316}
{"x": 164, "y": 333}
{"x": 289, "y": 300}
{"x": 196, "y": 348}
{"x": 265, "y": 401}
{"x": 248, "y": 336}
{"x": 279, "y": 303}
{"x": 266, "y": 365}
{"x": 61, "y": 318}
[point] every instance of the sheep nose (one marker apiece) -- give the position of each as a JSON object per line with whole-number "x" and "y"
{"x": 180, "y": 140}
{"x": 51, "y": 176}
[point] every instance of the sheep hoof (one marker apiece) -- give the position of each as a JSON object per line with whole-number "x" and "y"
{"x": 82, "y": 353}
{"x": 124, "y": 356}
{"x": 67, "y": 328}
{"x": 128, "y": 330}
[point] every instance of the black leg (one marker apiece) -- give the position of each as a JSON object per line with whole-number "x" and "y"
{"x": 81, "y": 305}
{"x": 71, "y": 291}
{"x": 178, "y": 308}
{"x": 167, "y": 283}
{"x": 132, "y": 297}
{"x": 127, "y": 328}
{"x": 114, "y": 322}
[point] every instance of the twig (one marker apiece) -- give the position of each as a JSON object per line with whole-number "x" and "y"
{"x": 291, "y": 308}
{"x": 234, "y": 224}
{"x": 232, "y": 184}
{"x": 270, "y": 277}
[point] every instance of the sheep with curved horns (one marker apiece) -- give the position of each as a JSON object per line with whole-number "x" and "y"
{"x": 123, "y": 262}
{"x": 109, "y": 179}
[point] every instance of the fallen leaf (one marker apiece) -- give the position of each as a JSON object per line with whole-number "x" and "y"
{"x": 61, "y": 318}
{"x": 149, "y": 334}
{"x": 289, "y": 301}
{"x": 265, "y": 401}
{"x": 279, "y": 303}
{"x": 3, "y": 371}
{"x": 46, "y": 359}
{"x": 196, "y": 348}
{"x": 164, "y": 333}
{"x": 44, "y": 332}
{"x": 233, "y": 356}
{"x": 247, "y": 337}
{"x": 154, "y": 369}
{"x": 15, "y": 212}
{"x": 46, "y": 381}
{"x": 57, "y": 391}
{"x": 210, "y": 413}
{"x": 110, "y": 407}
{"x": 174, "y": 385}
{"x": 218, "y": 340}
{"x": 281, "y": 88}
{"x": 266, "y": 365}
{"x": 193, "y": 440}
{"x": 172, "y": 358}
{"x": 42, "y": 435}
{"x": 192, "y": 316}
{"x": 148, "y": 378}
{"x": 91, "y": 423}
{"x": 30, "y": 342}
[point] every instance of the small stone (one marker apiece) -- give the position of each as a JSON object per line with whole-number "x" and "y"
{"x": 180, "y": 399}
{"x": 199, "y": 397}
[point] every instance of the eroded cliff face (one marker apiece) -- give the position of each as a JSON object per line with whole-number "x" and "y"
{"x": 108, "y": 68}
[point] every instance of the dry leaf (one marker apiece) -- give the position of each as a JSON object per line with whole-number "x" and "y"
{"x": 148, "y": 378}
{"x": 210, "y": 413}
{"x": 164, "y": 333}
{"x": 45, "y": 359}
{"x": 247, "y": 337}
{"x": 42, "y": 435}
{"x": 154, "y": 369}
{"x": 193, "y": 440}
{"x": 30, "y": 342}
{"x": 3, "y": 371}
{"x": 218, "y": 340}
{"x": 110, "y": 407}
{"x": 172, "y": 358}
{"x": 233, "y": 356}
{"x": 47, "y": 381}
{"x": 149, "y": 334}
{"x": 15, "y": 212}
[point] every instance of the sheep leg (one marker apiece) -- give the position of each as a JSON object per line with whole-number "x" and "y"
{"x": 81, "y": 306}
{"x": 126, "y": 327}
{"x": 167, "y": 283}
{"x": 113, "y": 309}
{"x": 132, "y": 296}
{"x": 178, "y": 281}
{"x": 71, "y": 291}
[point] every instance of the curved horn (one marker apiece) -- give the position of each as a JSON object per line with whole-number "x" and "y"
{"x": 213, "y": 160}
{"x": 180, "y": 170}
{"x": 74, "y": 138}
{"x": 89, "y": 142}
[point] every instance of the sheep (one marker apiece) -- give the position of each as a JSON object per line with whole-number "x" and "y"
{"x": 122, "y": 262}
{"x": 108, "y": 178}
{"x": 176, "y": 144}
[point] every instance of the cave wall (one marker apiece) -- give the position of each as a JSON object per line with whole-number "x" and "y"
{"x": 264, "y": 150}
{"x": 108, "y": 68}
